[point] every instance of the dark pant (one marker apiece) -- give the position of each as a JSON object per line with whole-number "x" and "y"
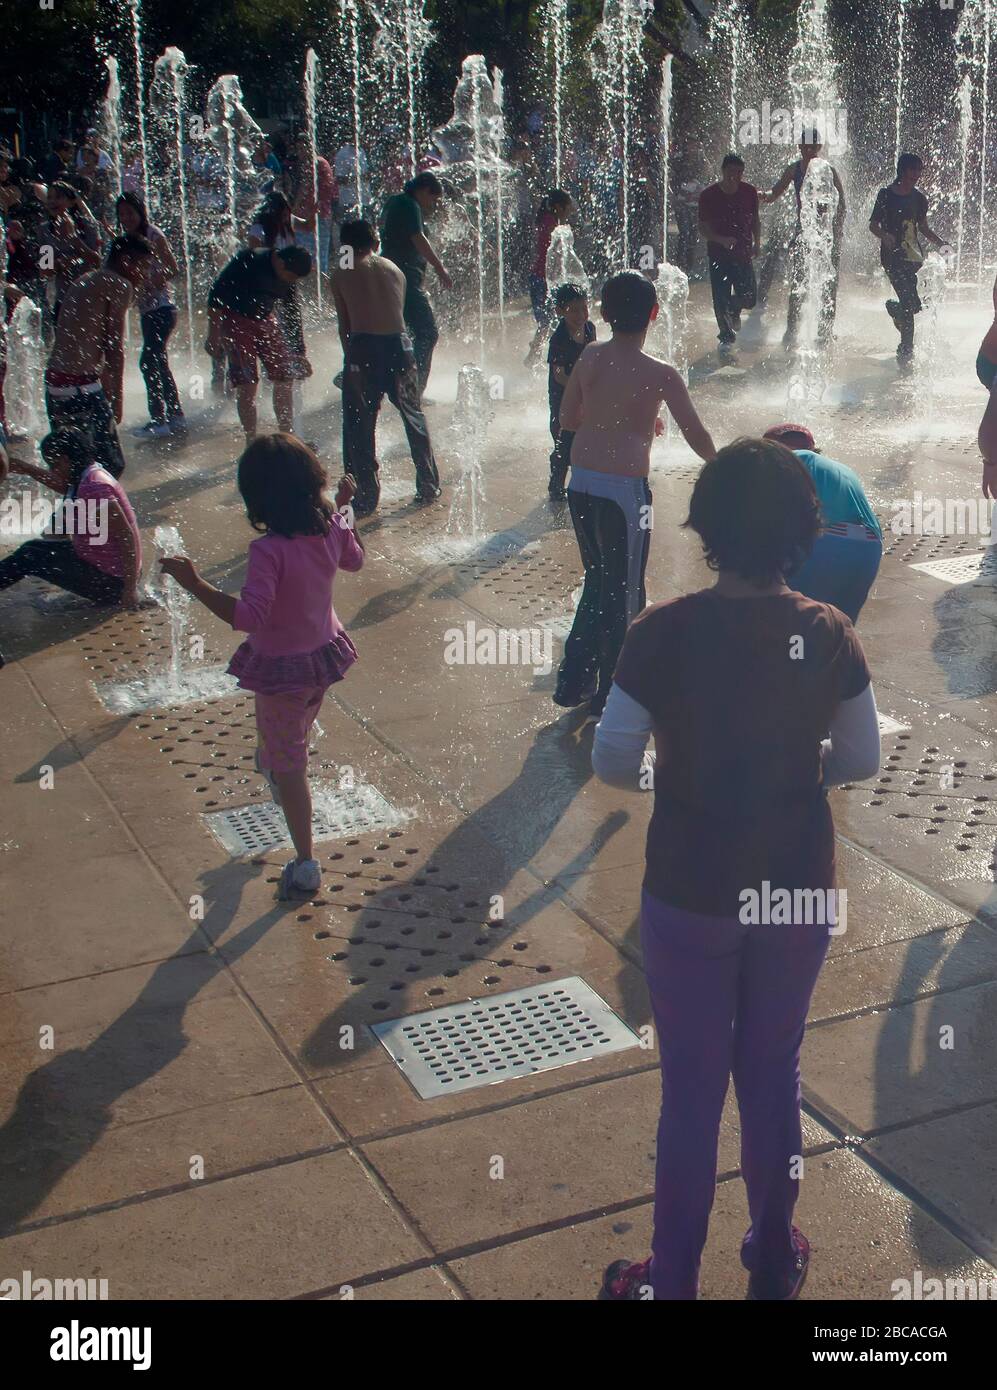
{"x": 733, "y": 285}
{"x": 839, "y": 570}
{"x": 613, "y": 545}
{"x": 903, "y": 277}
{"x": 798, "y": 290}
{"x": 728, "y": 999}
{"x": 59, "y": 563}
{"x": 375, "y": 365}
{"x": 421, "y": 324}
{"x": 160, "y": 388}
{"x": 90, "y": 412}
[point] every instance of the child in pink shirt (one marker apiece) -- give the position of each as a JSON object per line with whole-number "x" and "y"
{"x": 296, "y": 647}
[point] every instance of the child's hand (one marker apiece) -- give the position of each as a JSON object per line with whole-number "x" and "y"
{"x": 181, "y": 569}
{"x": 345, "y": 490}
{"x": 659, "y": 427}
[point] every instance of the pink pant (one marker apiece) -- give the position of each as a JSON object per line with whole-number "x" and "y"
{"x": 284, "y": 723}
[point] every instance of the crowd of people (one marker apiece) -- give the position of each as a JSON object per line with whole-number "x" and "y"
{"x": 756, "y": 690}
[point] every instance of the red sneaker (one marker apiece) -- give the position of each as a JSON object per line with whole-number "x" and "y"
{"x": 783, "y": 1288}
{"x": 624, "y": 1282}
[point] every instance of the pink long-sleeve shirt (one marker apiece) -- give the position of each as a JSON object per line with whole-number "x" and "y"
{"x": 286, "y": 602}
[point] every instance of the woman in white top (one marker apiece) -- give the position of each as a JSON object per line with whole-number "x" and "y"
{"x": 158, "y": 316}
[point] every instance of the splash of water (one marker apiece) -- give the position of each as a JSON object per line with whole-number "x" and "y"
{"x": 234, "y": 135}
{"x": 815, "y": 271}
{"x": 618, "y": 68}
{"x": 23, "y": 386}
{"x": 403, "y": 35}
{"x": 932, "y": 289}
{"x": 471, "y": 417}
{"x": 177, "y": 601}
{"x": 109, "y": 123}
{"x": 965, "y": 100}
{"x": 555, "y": 34}
{"x": 167, "y": 103}
{"x": 135, "y": 7}
{"x": 312, "y": 74}
{"x": 563, "y": 265}
{"x": 496, "y": 141}
{"x": 899, "y": 91}
{"x": 349, "y": 27}
{"x": 667, "y": 334}
{"x": 729, "y": 41}
{"x": 813, "y": 73}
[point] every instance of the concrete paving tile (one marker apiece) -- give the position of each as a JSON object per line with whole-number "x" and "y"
{"x": 54, "y": 1176}
{"x": 882, "y": 905}
{"x": 562, "y": 1154}
{"x": 860, "y": 1229}
{"x": 886, "y": 976}
{"x": 952, "y": 1162}
{"x": 421, "y": 1286}
{"x": 272, "y": 1234}
{"x": 896, "y": 1066}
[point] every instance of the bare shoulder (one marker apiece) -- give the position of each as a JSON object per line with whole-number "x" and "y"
{"x": 388, "y": 267}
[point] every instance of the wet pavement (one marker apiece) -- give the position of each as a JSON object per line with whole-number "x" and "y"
{"x": 192, "y": 1103}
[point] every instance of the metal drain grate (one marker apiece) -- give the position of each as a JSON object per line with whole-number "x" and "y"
{"x": 485, "y": 1041}
{"x": 335, "y": 814}
{"x": 891, "y": 726}
{"x": 961, "y": 569}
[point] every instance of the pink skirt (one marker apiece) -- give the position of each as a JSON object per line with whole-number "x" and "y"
{"x": 276, "y": 675}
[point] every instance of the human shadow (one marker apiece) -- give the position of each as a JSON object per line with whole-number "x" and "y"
{"x": 67, "y": 1103}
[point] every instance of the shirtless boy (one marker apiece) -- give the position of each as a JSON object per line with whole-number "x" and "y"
{"x": 83, "y": 380}
{"x": 369, "y": 291}
{"x": 611, "y": 402}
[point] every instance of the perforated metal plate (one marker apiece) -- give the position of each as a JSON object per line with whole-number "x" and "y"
{"x": 485, "y": 1041}
{"x": 962, "y": 569}
{"x": 335, "y": 814}
{"x": 891, "y": 726}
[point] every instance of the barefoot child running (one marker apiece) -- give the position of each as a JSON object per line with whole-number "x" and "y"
{"x": 296, "y": 646}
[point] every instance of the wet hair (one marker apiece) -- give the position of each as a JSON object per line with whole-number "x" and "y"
{"x": 424, "y": 180}
{"x": 296, "y": 259}
{"x": 65, "y": 188}
{"x": 133, "y": 201}
{"x": 72, "y": 444}
{"x": 127, "y": 247}
{"x": 359, "y": 234}
{"x": 274, "y": 213}
{"x": 628, "y": 300}
{"x": 569, "y": 294}
{"x": 553, "y": 199}
{"x": 284, "y": 487}
{"x": 755, "y": 509}
{"x": 908, "y": 161}
{"x": 732, "y": 158}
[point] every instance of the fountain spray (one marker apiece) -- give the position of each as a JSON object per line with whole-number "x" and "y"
{"x": 555, "y": 31}
{"x": 312, "y": 73}
{"x": 167, "y": 100}
{"x": 136, "y": 12}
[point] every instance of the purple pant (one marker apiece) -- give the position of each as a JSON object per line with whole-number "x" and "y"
{"x": 727, "y": 999}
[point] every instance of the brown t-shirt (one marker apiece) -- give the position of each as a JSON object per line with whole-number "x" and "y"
{"x": 740, "y": 692}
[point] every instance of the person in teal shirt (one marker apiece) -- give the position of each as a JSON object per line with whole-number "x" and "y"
{"x": 844, "y": 562}
{"x": 404, "y": 241}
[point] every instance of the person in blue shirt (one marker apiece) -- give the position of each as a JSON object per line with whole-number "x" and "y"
{"x": 844, "y": 562}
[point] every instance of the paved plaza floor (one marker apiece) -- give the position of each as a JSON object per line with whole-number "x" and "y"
{"x": 192, "y": 1104}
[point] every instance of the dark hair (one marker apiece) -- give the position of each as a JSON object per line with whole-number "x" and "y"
{"x": 754, "y": 506}
{"x": 810, "y": 135}
{"x": 297, "y": 259}
{"x": 274, "y": 213}
{"x": 731, "y": 158}
{"x": 568, "y": 294}
{"x": 126, "y": 246}
{"x": 424, "y": 180}
{"x": 22, "y": 170}
{"x": 64, "y": 144}
{"x": 133, "y": 201}
{"x": 64, "y": 187}
{"x": 908, "y": 161}
{"x": 283, "y": 486}
{"x": 359, "y": 234}
{"x": 628, "y": 300}
{"x": 72, "y": 443}
{"x": 553, "y": 199}
{"x": 82, "y": 184}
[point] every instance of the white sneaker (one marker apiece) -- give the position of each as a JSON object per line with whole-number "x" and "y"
{"x": 152, "y": 431}
{"x": 304, "y": 878}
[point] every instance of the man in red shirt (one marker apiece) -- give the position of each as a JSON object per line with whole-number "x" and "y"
{"x": 729, "y": 222}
